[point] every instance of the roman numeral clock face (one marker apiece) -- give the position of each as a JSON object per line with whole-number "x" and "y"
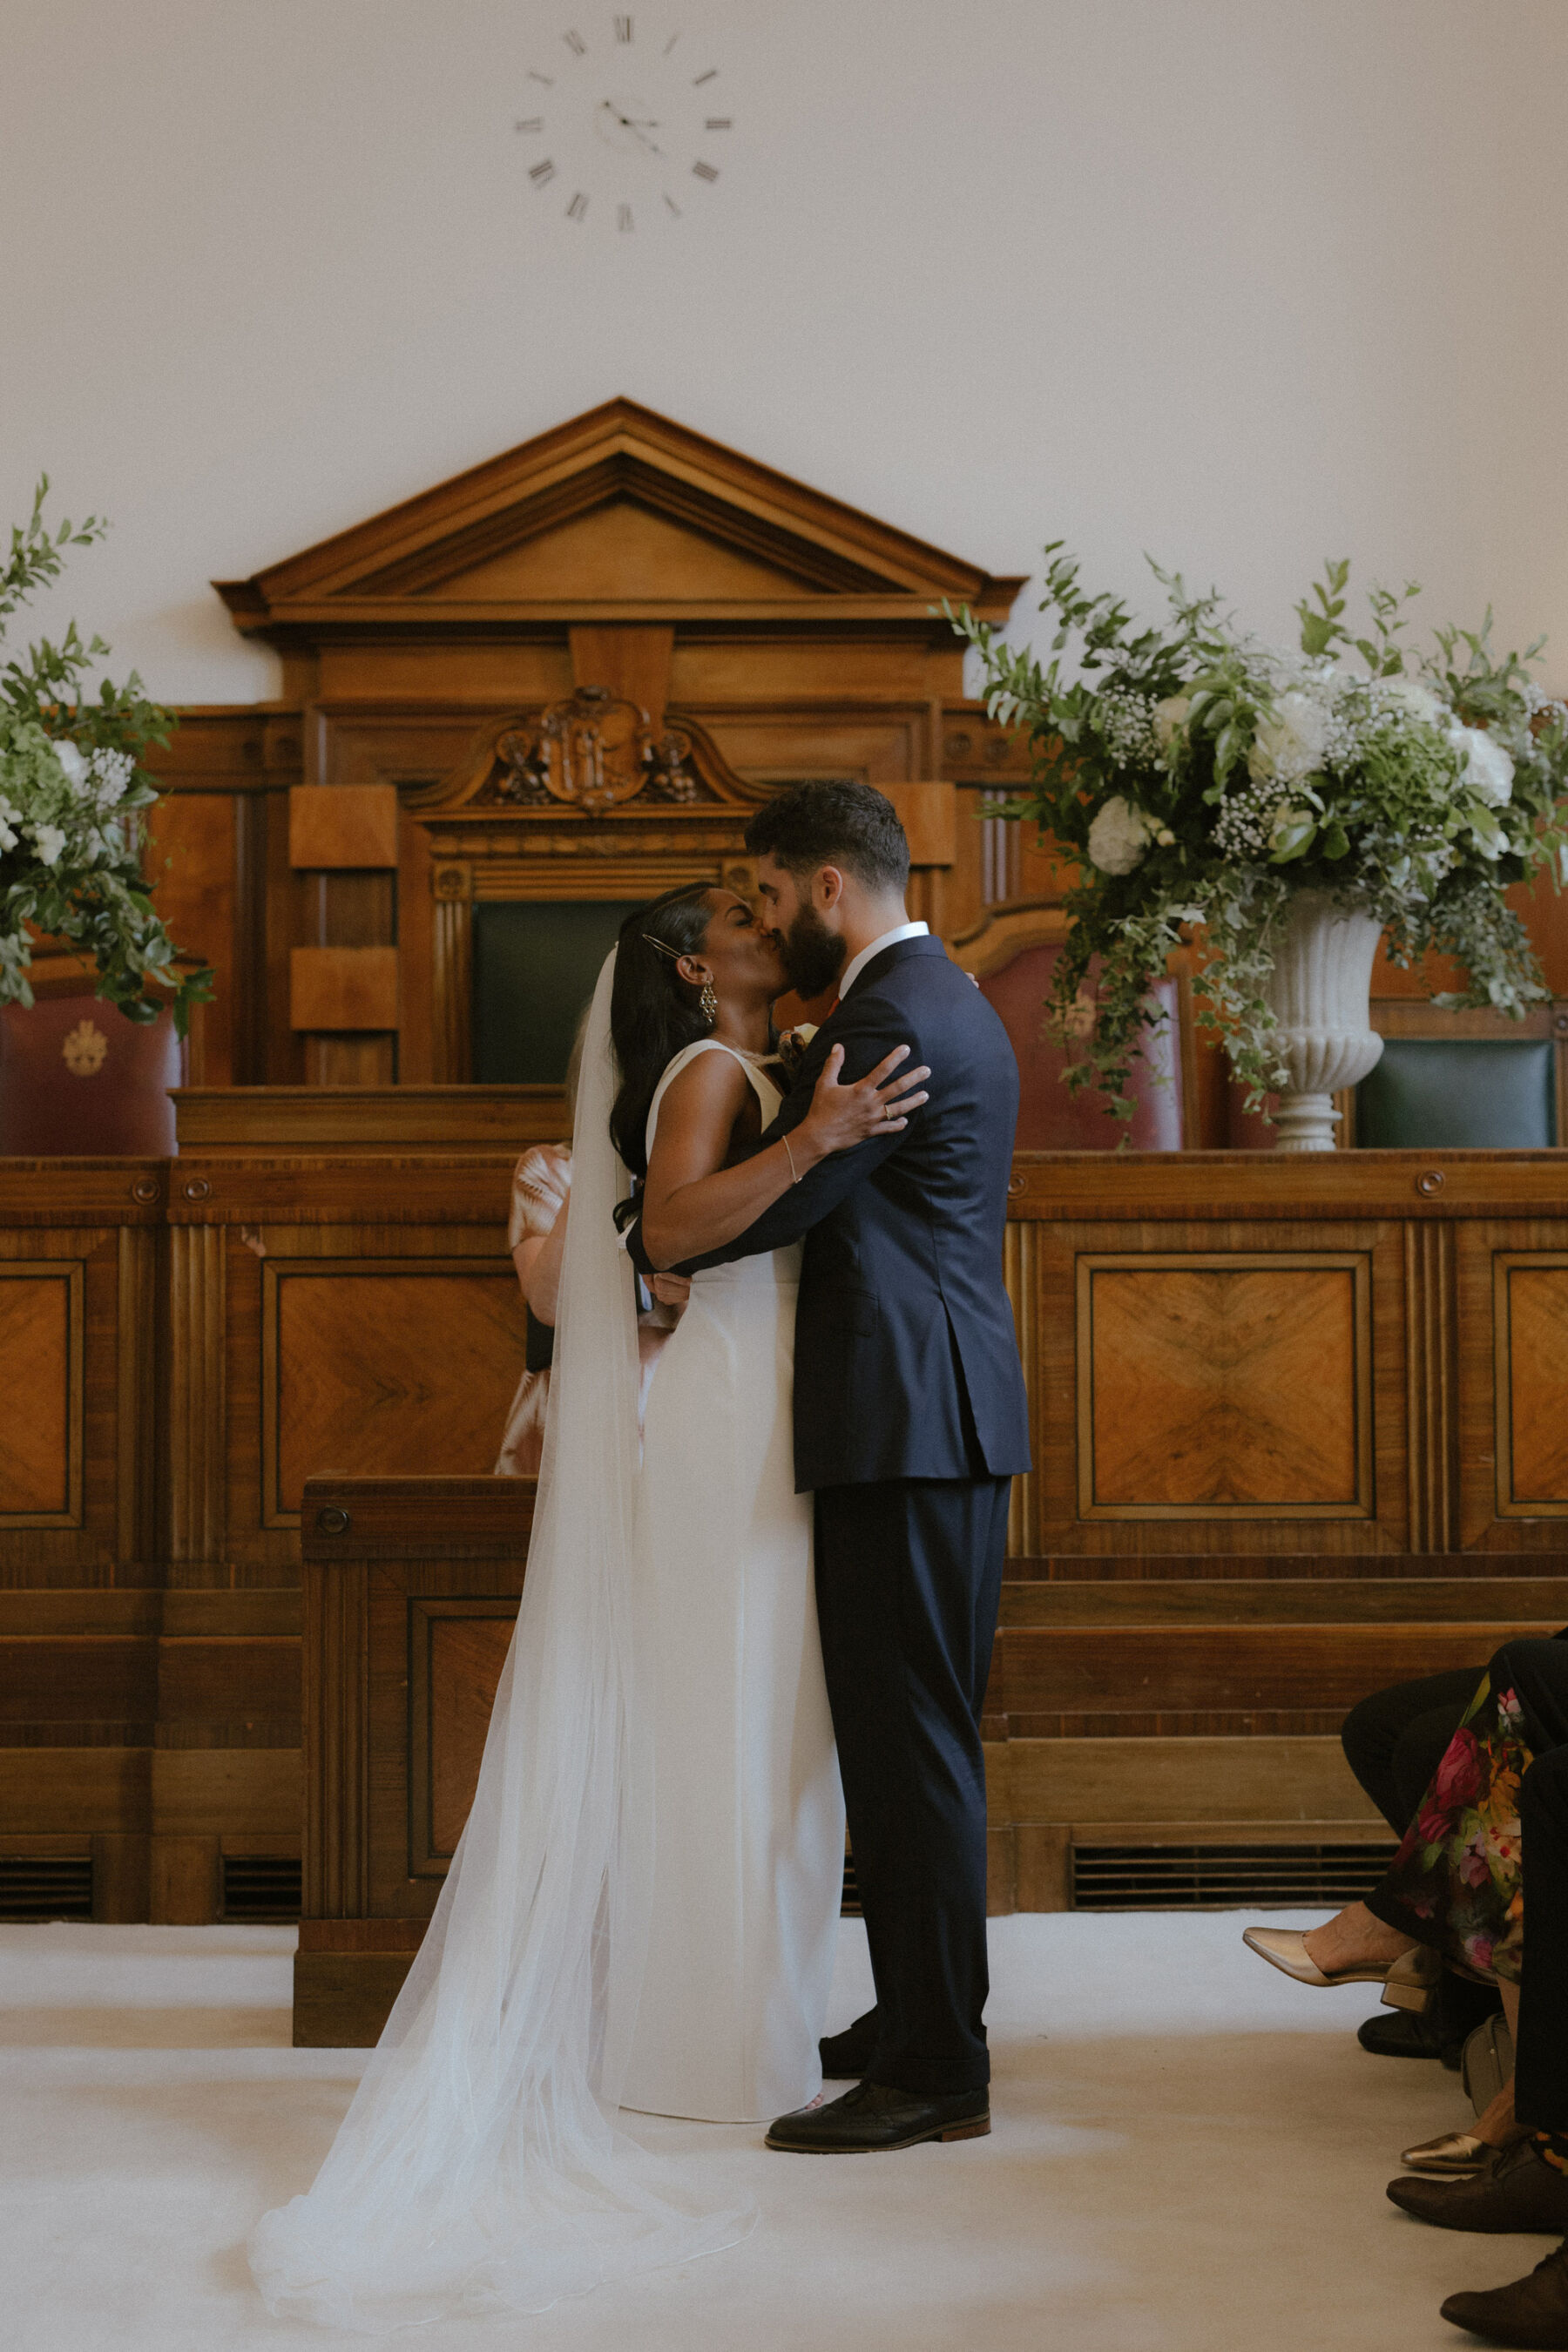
{"x": 627, "y": 125}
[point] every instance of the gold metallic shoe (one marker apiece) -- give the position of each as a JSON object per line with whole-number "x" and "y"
{"x": 1450, "y": 2152}
{"x": 1286, "y": 1948}
{"x": 1412, "y": 1979}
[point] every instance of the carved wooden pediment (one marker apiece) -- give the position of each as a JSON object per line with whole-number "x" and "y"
{"x": 620, "y": 515}
{"x": 594, "y": 753}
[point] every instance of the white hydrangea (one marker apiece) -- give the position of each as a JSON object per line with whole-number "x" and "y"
{"x": 1170, "y": 716}
{"x": 49, "y": 841}
{"x": 10, "y": 818}
{"x": 74, "y": 763}
{"x": 1486, "y": 766}
{"x": 1408, "y": 694}
{"x": 112, "y": 771}
{"x": 1119, "y": 838}
{"x": 1293, "y": 742}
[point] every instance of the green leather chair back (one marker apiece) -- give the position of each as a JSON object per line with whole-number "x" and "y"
{"x": 1429, "y": 1094}
{"x": 535, "y": 962}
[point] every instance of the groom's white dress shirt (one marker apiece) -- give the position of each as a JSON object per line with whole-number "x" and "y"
{"x": 857, "y": 964}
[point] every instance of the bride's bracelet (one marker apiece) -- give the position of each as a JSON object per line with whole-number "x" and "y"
{"x": 790, "y": 1156}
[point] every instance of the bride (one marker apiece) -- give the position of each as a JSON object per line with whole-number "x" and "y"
{"x": 640, "y": 1912}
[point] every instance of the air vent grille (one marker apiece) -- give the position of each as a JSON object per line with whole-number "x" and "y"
{"x": 260, "y": 1887}
{"x": 47, "y": 1886}
{"x": 1220, "y": 1877}
{"x": 849, "y": 1902}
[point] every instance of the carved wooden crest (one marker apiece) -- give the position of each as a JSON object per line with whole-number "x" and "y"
{"x": 593, "y": 752}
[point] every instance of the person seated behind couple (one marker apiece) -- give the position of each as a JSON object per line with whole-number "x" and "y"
{"x": 1493, "y": 1815}
{"x": 536, "y": 1238}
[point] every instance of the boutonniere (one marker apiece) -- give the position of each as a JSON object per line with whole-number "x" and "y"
{"x": 792, "y": 1045}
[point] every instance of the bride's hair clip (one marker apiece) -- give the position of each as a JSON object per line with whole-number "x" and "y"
{"x": 664, "y": 948}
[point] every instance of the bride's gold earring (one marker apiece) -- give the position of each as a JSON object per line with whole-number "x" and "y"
{"x": 709, "y": 1002}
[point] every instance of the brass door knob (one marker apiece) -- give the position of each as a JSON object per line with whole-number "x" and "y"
{"x": 332, "y": 1520}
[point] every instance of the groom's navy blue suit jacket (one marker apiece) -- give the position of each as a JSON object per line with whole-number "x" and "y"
{"x": 906, "y": 1364}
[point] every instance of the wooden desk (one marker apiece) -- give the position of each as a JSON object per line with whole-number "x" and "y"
{"x": 1301, "y": 1427}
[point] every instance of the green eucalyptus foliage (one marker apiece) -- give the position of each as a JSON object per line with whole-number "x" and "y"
{"x": 72, "y": 793}
{"x": 1200, "y": 778}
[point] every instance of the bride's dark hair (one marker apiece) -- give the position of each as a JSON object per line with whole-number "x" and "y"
{"x": 653, "y": 1012}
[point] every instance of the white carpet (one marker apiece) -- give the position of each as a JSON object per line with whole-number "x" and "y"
{"x": 1189, "y": 2156}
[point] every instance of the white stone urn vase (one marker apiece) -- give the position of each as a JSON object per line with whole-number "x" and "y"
{"x": 1322, "y": 977}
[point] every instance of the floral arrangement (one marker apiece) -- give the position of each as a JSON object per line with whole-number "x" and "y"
{"x": 1200, "y": 777}
{"x": 72, "y": 793}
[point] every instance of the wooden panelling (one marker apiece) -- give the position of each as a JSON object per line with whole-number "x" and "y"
{"x": 343, "y": 987}
{"x": 369, "y": 1365}
{"x": 1532, "y": 1315}
{"x": 456, "y": 1648}
{"x": 350, "y": 825}
{"x": 41, "y": 1434}
{"x": 411, "y": 1587}
{"x": 1214, "y": 1386}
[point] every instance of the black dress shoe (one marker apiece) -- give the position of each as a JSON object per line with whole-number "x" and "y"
{"x": 846, "y": 2057}
{"x": 1403, "y": 2033}
{"x": 1516, "y": 2192}
{"x": 872, "y": 2117}
{"x": 1533, "y": 2311}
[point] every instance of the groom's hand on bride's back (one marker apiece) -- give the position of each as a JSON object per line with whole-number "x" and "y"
{"x": 880, "y": 1104}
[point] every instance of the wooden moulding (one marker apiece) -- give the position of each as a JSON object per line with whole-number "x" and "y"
{"x": 342, "y": 988}
{"x": 334, "y": 826}
{"x": 252, "y": 1122}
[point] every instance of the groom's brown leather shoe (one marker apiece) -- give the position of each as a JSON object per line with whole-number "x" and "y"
{"x": 1515, "y": 2192}
{"x": 872, "y": 2118}
{"x": 1533, "y": 2311}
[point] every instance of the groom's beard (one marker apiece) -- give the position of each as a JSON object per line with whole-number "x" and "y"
{"x": 813, "y": 955}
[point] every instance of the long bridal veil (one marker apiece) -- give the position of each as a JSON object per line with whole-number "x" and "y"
{"x": 479, "y": 2167}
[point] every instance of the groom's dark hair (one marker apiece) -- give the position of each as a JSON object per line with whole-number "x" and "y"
{"x": 850, "y": 826}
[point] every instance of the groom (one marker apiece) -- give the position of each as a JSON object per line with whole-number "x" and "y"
{"x": 909, "y": 1421}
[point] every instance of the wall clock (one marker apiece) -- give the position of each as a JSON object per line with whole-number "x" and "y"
{"x": 627, "y": 123}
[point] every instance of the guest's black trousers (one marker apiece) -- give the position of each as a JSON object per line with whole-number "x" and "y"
{"x": 908, "y": 1581}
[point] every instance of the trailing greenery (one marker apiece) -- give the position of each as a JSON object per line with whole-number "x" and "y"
{"x": 1199, "y": 778}
{"x": 73, "y": 794}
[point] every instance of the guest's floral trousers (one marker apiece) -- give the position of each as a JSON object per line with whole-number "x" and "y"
{"x": 1455, "y": 1882}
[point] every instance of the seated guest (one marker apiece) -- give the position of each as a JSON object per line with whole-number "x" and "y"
{"x": 1526, "y": 2189}
{"x": 1393, "y": 1742}
{"x": 1454, "y": 1890}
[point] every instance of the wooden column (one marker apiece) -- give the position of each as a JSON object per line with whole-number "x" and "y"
{"x": 343, "y": 843}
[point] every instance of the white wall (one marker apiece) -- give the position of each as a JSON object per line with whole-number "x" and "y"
{"x": 1239, "y": 281}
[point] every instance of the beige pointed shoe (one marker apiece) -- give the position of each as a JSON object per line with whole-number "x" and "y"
{"x": 1286, "y": 1948}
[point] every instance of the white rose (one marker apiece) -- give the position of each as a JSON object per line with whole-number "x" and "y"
{"x": 1487, "y": 768}
{"x": 75, "y": 766}
{"x": 50, "y": 841}
{"x": 1119, "y": 837}
{"x": 1409, "y": 694}
{"x": 1169, "y": 716}
{"x": 1291, "y": 743}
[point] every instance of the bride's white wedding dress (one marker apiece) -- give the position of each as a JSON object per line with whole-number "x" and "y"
{"x": 749, "y": 1833}
{"x": 659, "y": 1733}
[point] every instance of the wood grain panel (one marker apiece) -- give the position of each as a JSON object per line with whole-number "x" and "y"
{"x": 343, "y": 987}
{"x": 40, "y": 1427}
{"x": 385, "y": 1366}
{"x": 342, "y": 825}
{"x": 1532, "y": 1384}
{"x": 457, "y": 1650}
{"x": 1214, "y": 1386}
{"x": 1175, "y": 1669}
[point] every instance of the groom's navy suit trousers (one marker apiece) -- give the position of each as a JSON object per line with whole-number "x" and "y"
{"x": 910, "y": 1421}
